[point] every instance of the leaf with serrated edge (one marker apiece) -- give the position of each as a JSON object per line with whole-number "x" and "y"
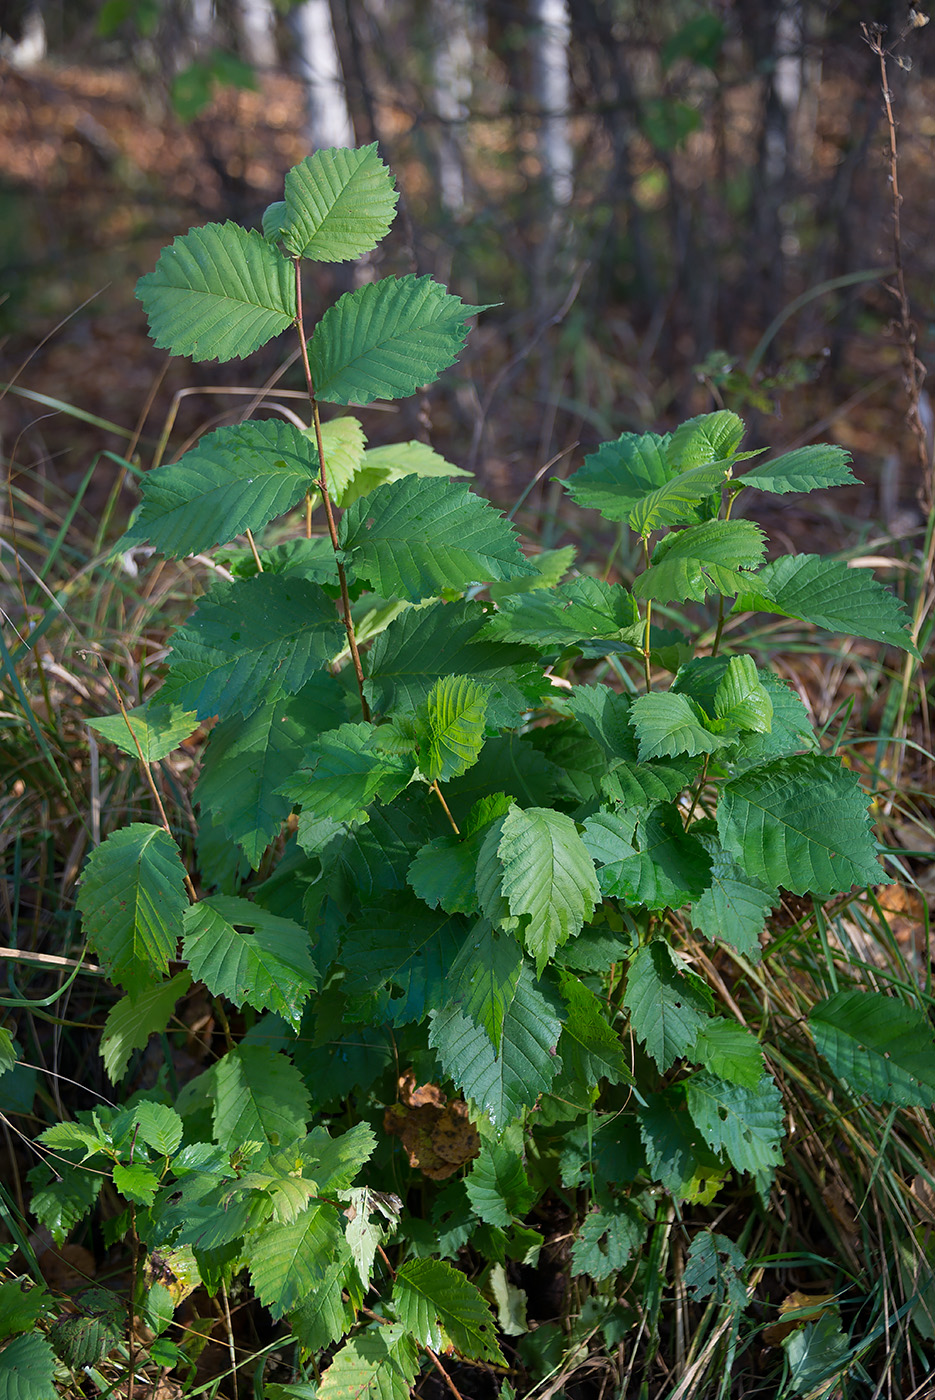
{"x": 705, "y": 558}
{"x": 415, "y": 537}
{"x": 339, "y": 203}
{"x": 387, "y": 339}
{"x": 268, "y": 968}
{"x": 377, "y": 1365}
{"x": 249, "y": 642}
{"x": 667, "y": 1008}
{"x": 746, "y": 1124}
{"x": 878, "y": 1045}
{"x": 668, "y": 724}
{"x": 806, "y": 469}
{"x": 735, "y": 907}
{"x": 346, "y": 772}
{"x": 482, "y": 980}
{"x": 729, "y": 1051}
{"x": 288, "y": 1260}
{"x": 588, "y": 613}
{"x": 711, "y": 437}
{"x": 740, "y": 701}
{"x": 433, "y": 1300}
{"x": 608, "y": 1236}
{"x": 497, "y": 1186}
{"x": 246, "y": 761}
{"x": 590, "y": 1048}
{"x": 647, "y": 857}
{"x": 800, "y": 823}
{"x": 260, "y": 1097}
{"x": 394, "y": 461}
{"x": 679, "y": 500}
{"x": 232, "y": 480}
{"x": 27, "y": 1369}
{"x": 158, "y": 729}
{"x": 444, "y": 639}
{"x": 133, "y": 1019}
{"x": 457, "y": 712}
{"x": 218, "y": 293}
{"x": 620, "y": 473}
{"x": 132, "y": 898}
{"x": 829, "y": 594}
{"x": 505, "y": 1083}
{"x": 548, "y": 878}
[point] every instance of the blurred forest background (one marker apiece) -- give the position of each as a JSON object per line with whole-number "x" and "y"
{"x": 674, "y": 205}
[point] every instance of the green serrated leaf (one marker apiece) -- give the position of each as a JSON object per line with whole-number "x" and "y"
{"x": 590, "y": 1048}
{"x": 218, "y": 293}
{"x": 714, "y": 1268}
{"x": 323, "y": 1317}
{"x": 806, "y": 469}
{"x": 647, "y": 858}
{"x": 158, "y": 729}
{"x": 233, "y": 480}
{"x": 160, "y": 1127}
{"x": 20, "y": 1307}
{"x": 551, "y": 566}
{"x": 819, "y": 1354}
{"x": 377, "y": 1365}
{"x": 705, "y": 558}
{"x": 416, "y": 537}
{"x": 497, "y": 1186}
{"x": 445, "y": 639}
{"x": 131, "y": 898}
{"x": 246, "y": 761}
{"x": 800, "y": 823}
{"x": 711, "y": 437}
{"x": 619, "y": 474}
{"x": 829, "y": 594}
{"x": 678, "y": 502}
{"x": 27, "y": 1369}
{"x": 668, "y": 724}
{"x": 547, "y": 879}
{"x": 410, "y": 948}
{"x": 346, "y": 772}
{"x": 744, "y": 1123}
{"x": 504, "y": 1083}
{"x": 133, "y": 1019}
{"x": 729, "y": 1051}
{"x": 588, "y": 613}
{"x": 457, "y": 713}
{"x": 249, "y": 642}
{"x": 734, "y": 908}
{"x": 269, "y": 967}
{"x": 434, "y": 1301}
{"x": 62, "y": 1199}
{"x": 260, "y": 1097}
{"x": 387, "y": 339}
{"x": 344, "y": 443}
{"x": 288, "y": 1260}
{"x": 339, "y": 203}
{"x": 482, "y": 980}
{"x": 608, "y": 1236}
{"x": 136, "y": 1182}
{"x": 668, "y": 1007}
{"x": 741, "y": 701}
{"x": 879, "y": 1045}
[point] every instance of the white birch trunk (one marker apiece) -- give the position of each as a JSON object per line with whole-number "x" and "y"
{"x": 552, "y": 87}
{"x": 258, "y": 27}
{"x": 451, "y": 71}
{"x": 31, "y": 47}
{"x": 319, "y": 66}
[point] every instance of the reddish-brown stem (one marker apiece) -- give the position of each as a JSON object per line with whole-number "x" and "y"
{"x": 326, "y": 498}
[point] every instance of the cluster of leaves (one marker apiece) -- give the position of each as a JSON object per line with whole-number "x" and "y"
{"x": 431, "y": 835}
